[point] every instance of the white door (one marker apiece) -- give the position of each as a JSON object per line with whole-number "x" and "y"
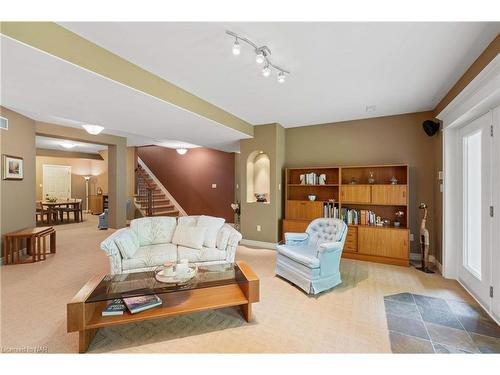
{"x": 56, "y": 181}
{"x": 475, "y": 271}
{"x": 495, "y": 308}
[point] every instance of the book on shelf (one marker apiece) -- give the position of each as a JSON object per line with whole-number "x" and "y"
{"x": 115, "y": 307}
{"x": 330, "y": 210}
{"x": 357, "y": 217}
{"x": 141, "y": 303}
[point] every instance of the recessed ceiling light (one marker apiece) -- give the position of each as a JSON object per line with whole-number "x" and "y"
{"x": 93, "y": 129}
{"x": 68, "y": 145}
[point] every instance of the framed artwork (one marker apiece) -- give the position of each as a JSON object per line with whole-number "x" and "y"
{"x": 12, "y": 167}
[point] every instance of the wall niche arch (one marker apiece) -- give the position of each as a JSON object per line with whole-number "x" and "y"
{"x": 258, "y": 177}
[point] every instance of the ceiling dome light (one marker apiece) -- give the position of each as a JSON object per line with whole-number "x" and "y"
{"x": 266, "y": 72}
{"x": 181, "y": 151}
{"x": 281, "y": 77}
{"x": 68, "y": 145}
{"x": 93, "y": 129}
{"x": 259, "y": 58}
{"x": 236, "y": 48}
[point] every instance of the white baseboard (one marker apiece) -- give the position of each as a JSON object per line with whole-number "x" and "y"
{"x": 432, "y": 259}
{"x": 261, "y": 244}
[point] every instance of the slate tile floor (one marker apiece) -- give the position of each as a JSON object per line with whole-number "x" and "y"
{"x": 422, "y": 324}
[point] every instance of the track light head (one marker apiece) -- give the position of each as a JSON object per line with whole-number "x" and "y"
{"x": 236, "y": 47}
{"x": 266, "y": 71}
{"x": 281, "y": 77}
{"x": 260, "y": 58}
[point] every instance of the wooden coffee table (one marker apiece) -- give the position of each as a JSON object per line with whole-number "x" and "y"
{"x": 213, "y": 287}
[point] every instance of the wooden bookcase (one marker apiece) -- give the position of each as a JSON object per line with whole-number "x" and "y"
{"x": 384, "y": 244}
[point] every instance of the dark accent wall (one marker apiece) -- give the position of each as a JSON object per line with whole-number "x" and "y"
{"x": 189, "y": 178}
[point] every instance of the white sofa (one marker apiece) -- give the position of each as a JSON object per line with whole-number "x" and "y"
{"x": 151, "y": 241}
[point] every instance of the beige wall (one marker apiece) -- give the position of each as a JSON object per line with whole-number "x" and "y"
{"x": 269, "y": 139}
{"x": 79, "y": 167}
{"x": 383, "y": 140}
{"x": 131, "y": 165}
{"x": 17, "y": 204}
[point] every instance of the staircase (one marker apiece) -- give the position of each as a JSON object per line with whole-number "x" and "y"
{"x": 150, "y": 199}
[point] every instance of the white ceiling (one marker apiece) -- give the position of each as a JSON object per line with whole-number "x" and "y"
{"x": 57, "y": 144}
{"x": 47, "y": 88}
{"x": 338, "y": 69}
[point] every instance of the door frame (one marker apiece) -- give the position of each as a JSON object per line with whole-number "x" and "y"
{"x": 480, "y": 96}
{"x": 467, "y": 276}
{"x": 57, "y": 166}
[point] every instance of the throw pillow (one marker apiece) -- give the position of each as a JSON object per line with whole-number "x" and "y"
{"x": 189, "y": 236}
{"x": 127, "y": 243}
{"x": 154, "y": 230}
{"x": 212, "y": 226}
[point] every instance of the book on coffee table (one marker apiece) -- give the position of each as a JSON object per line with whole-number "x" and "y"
{"x": 115, "y": 307}
{"x": 141, "y": 303}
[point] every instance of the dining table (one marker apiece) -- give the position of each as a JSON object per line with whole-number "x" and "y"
{"x": 52, "y": 206}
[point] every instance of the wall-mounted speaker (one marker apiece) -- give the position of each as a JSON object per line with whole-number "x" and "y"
{"x": 430, "y": 127}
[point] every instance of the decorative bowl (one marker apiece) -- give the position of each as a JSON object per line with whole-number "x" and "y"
{"x": 176, "y": 279}
{"x": 311, "y": 197}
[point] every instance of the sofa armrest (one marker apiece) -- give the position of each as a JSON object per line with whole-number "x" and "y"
{"x": 232, "y": 243}
{"x": 296, "y": 239}
{"x": 112, "y": 251}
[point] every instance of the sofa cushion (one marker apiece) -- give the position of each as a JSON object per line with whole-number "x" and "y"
{"x": 204, "y": 255}
{"x": 154, "y": 230}
{"x": 189, "y": 236}
{"x": 212, "y": 226}
{"x": 187, "y": 220}
{"x": 127, "y": 243}
{"x": 151, "y": 256}
{"x": 307, "y": 255}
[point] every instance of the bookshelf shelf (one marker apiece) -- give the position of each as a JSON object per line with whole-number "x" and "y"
{"x": 385, "y": 244}
{"x": 311, "y": 185}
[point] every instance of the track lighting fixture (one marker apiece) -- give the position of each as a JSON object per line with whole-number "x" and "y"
{"x": 266, "y": 71}
{"x": 261, "y": 56}
{"x": 236, "y": 47}
{"x": 281, "y": 77}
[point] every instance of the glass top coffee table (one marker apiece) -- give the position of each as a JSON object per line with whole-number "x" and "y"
{"x": 213, "y": 287}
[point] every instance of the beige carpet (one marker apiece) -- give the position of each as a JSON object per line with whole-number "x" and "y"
{"x": 350, "y": 318}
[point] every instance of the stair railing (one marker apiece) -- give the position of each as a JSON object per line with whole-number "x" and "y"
{"x": 145, "y": 191}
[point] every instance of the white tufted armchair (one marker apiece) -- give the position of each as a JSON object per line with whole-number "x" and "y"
{"x": 311, "y": 260}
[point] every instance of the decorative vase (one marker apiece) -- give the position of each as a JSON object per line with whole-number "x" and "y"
{"x": 371, "y": 178}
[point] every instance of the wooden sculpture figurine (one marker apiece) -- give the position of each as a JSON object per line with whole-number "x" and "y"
{"x": 424, "y": 241}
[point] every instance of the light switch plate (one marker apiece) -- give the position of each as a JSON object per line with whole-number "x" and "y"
{"x": 214, "y": 186}
{"x": 259, "y": 228}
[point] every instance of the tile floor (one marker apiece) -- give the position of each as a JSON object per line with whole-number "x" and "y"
{"x": 422, "y": 324}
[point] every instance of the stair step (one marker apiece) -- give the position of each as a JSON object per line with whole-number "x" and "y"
{"x": 156, "y": 202}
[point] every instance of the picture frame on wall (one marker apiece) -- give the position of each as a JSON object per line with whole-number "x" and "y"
{"x": 12, "y": 167}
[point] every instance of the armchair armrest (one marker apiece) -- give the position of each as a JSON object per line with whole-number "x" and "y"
{"x": 295, "y": 239}
{"x": 327, "y": 247}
